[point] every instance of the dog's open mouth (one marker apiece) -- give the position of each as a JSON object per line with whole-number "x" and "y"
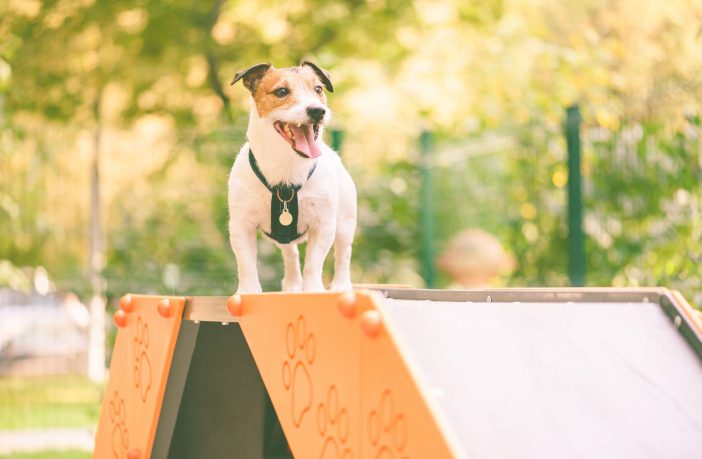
{"x": 301, "y": 137}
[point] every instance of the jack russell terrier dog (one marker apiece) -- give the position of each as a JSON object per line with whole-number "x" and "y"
{"x": 288, "y": 183}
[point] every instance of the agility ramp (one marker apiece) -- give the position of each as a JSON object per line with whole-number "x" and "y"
{"x": 396, "y": 373}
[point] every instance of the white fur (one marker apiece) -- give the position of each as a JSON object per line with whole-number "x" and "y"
{"x": 326, "y": 203}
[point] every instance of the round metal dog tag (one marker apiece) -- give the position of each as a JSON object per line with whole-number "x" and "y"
{"x": 285, "y": 218}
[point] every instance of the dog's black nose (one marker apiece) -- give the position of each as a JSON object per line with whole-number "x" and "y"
{"x": 316, "y": 113}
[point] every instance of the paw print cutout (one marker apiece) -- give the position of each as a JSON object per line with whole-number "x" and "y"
{"x": 333, "y": 426}
{"x": 142, "y": 364}
{"x": 387, "y": 429}
{"x": 296, "y": 375}
{"x": 120, "y": 435}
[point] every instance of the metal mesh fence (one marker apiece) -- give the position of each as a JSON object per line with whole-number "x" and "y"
{"x": 641, "y": 192}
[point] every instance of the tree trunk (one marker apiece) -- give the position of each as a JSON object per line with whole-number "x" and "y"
{"x": 96, "y": 349}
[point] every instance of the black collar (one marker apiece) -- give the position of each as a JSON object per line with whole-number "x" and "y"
{"x": 262, "y": 178}
{"x": 284, "y": 205}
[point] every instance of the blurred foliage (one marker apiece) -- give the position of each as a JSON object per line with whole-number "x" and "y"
{"x": 13, "y": 277}
{"x": 490, "y": 79}
{"x": 644, "y": 220}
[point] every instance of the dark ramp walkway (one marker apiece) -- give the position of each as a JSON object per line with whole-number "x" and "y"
{"x": 554, "y": 379}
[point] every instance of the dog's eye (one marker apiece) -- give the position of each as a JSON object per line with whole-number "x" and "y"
{"x": 318, "y": 89}
{"x": 281, "y": 92}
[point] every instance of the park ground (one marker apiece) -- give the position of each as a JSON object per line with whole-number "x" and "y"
{"x": 58, "y": 413}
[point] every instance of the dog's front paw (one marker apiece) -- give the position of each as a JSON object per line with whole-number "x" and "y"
{"x": 255, "y": 288}
{"x": 341, "y": 286}
{"x": 292, "y": 286}
{"x": 313, "y": 286}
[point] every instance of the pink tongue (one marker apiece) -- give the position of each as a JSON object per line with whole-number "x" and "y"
{"x": 304, "y": 140}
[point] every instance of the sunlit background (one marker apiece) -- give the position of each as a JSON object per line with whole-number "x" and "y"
{"x": 118, "y": 128}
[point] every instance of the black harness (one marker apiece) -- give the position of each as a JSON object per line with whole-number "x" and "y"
{"x": 284, "y": 209}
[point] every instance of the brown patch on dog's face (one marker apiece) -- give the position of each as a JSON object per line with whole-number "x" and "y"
{"x": 293, "y": 101}
{"x": 283, "y": 88}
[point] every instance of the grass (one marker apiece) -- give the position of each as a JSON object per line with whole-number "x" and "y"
{"x": 55, "y": 401}
{"x": 67, "y": 454}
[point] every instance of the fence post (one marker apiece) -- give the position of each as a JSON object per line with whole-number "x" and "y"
{"x": 337, "y": 137}
{"x": 576, "y": 235}
{"x": 427, "y": 210}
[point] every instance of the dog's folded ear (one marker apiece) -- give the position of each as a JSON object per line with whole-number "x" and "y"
{"x": 321, "y": 73}
{"x": 251, "y": 75}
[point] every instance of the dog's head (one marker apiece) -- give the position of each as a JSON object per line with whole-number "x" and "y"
{"x": 292, "y": 100}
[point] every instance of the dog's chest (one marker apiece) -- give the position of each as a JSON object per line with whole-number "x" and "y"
{"x": 313, "y": 208}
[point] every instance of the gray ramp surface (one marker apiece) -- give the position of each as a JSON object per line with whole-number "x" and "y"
{"x": 556, "y": 380}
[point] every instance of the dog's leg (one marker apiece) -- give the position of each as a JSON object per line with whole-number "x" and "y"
{"x": 243, "y": 242}
{"x": 342, "y": 257}
{"x": 318, "y": 245}
{"x": 345, "y": 229}
{"x": 292, "y": 279}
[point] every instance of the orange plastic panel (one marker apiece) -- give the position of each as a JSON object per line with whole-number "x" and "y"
{"x": 307, "y": 353}
{"x": 334, "y": 398}
{"x": 141, "y": 360}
